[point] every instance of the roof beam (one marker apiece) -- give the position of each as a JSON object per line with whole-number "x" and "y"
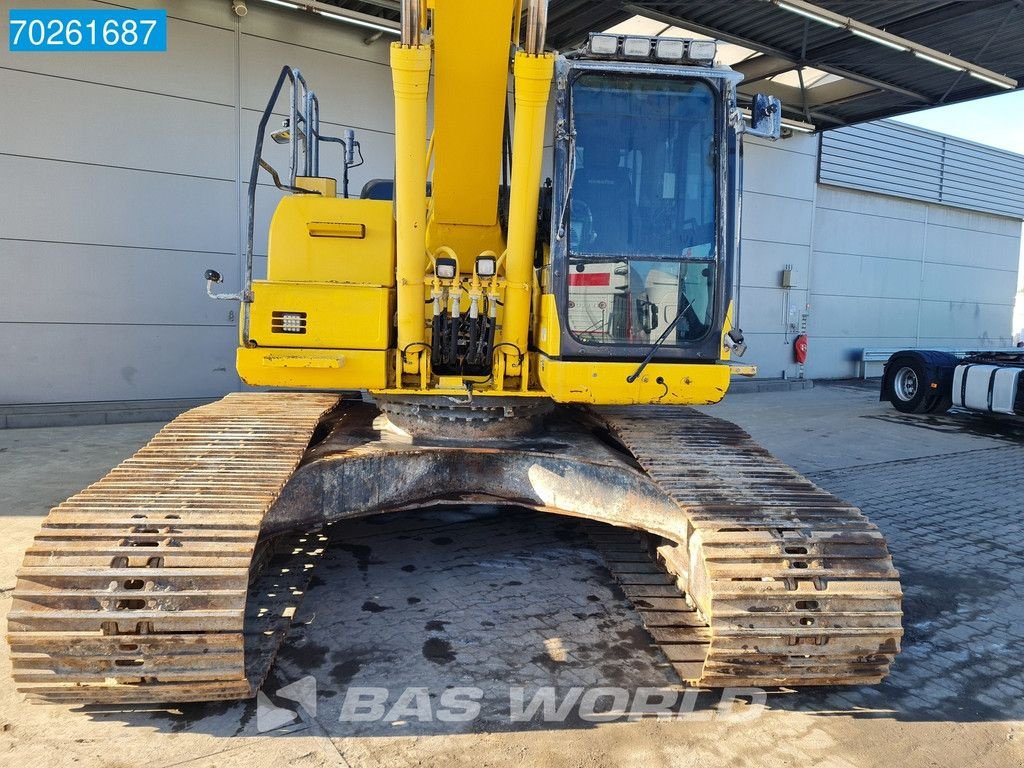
{"x": 777, "y": 53}
{"x": 920, "y": 21}
{"x": 838, "y": 92}
{"x": 564, "y": 28}
{"x": 762, "y": 67}
{"x": 881, "y": 37}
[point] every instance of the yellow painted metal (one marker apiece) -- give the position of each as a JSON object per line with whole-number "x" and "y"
{"x": 345, "y": 229}
{"x": 605, "y": 382}
{"x": 726, "y": 353}
{"x": 355, "y": 277}
{"x": 410, "y": 72}
{"x": 459, "y": 392}
{"x": 313, "y": 368}
{"x": 322, "y": 185}
{"x": 311, "y": 239}
{"x": 533, "y": 85}
{"x": 471, "y": 44}
{"x": 742, "y": 369}
{"x": 336, "y": 316}
{"x": 547, "y": 332}
{"x": 450, "y": 382}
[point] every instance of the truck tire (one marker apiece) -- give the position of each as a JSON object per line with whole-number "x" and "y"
{"x": 919, "y": 381}
{"x": 905, "y": 384}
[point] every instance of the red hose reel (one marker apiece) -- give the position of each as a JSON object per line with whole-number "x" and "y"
{"x": 800, "y": 348}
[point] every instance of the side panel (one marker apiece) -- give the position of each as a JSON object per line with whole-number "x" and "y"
{"x": 320, "y": 315}
{"x": 989, "y": 388}
{"x": 546, "y": 331}
{"x": 332, "y": 240}
{"x": 323, "y": 319}
{"x": 324, "y": 369}
{"x": 605, "y": 383}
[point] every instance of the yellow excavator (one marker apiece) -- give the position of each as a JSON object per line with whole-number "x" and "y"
{"x": 519, "y": 335}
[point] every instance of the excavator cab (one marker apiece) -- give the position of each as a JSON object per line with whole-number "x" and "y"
{"x": 645, "y": 199}
{"x": 644, "y": 227}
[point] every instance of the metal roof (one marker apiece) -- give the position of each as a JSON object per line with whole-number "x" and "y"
{"x": 890, "y": 158}
{"x": 867, "y": 80}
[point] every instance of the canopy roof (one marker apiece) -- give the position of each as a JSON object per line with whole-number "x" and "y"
{"x": 826, "y": 75}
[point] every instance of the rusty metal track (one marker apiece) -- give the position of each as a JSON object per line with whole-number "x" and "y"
{"x": 144, "y": 587}
{"x": 136, "y": 589}
{"x": 779, "y": 583}
{"x": 672, "y": 621}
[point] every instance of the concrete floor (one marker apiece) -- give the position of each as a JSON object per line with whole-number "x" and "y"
{"x": 494, "y": 599}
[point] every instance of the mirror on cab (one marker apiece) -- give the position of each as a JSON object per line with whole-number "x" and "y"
{"x": 765, "y": 117}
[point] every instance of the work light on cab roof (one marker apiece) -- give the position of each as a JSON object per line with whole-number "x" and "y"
{"x": 608, "y": 46}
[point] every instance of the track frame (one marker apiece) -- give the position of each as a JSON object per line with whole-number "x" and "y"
{"x": 744, "y": 572}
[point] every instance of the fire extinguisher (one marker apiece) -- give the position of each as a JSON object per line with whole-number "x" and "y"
{"x": 800, "y": 348}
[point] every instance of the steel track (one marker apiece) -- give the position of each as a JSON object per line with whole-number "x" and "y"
{"x": 146, "y": 586}
{"x": 136, "y": 589}
{"x": 779, "y": 583}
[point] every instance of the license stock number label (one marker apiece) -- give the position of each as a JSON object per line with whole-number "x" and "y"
{"x": 86, "y": 30}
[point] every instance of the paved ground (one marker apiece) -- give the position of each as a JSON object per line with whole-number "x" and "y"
{"x": 449, "y": 607}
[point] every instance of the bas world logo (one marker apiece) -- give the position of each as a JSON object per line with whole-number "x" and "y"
{"x": 270, "y": 717}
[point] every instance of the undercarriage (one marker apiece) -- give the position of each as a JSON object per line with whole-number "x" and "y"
{"x": 174, "y": 578}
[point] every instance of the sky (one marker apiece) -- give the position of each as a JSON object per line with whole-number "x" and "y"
{"x": 995, "y": 120}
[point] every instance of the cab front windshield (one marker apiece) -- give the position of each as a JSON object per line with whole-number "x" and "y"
{"x": 642, "y": 218}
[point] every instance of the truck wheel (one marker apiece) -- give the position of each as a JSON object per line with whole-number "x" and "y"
{"x": 907, "y": 389}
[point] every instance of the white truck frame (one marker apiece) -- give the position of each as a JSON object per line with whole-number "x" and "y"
{"x": 933, "y": 381}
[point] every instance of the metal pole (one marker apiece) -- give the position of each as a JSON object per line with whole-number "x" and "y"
{"x": 411, "y": 19}
{"x": 536, "y": 26}
{"x": 350, "y": 158}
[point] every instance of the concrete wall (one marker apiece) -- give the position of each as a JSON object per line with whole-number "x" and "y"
{"x": 891, "y": 272}
{"x": 124, "y": 180}
{"x": 868, "y": 270}
{"x": 125, "y": 177}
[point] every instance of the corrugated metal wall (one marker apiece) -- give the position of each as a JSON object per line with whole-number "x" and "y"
{"x": 872, "y": 263}
{"x": 916, "y": 243}
{"x": 896, "y": 159}
{"x": 124, "y": 179}
{"x": 123, "y": 183}
{"x": 892, "y": 272}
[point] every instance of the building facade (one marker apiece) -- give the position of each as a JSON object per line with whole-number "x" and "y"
{"x": 126, "y": 177}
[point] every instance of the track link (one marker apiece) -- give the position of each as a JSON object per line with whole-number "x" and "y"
{"x": 136, "y": 589}
{"x": 791, "y": 585}
{"x": 146, "y": 586}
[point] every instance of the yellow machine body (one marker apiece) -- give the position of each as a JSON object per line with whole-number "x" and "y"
{"x": 350, "y": 283}
{"x": 322, "y": 318}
